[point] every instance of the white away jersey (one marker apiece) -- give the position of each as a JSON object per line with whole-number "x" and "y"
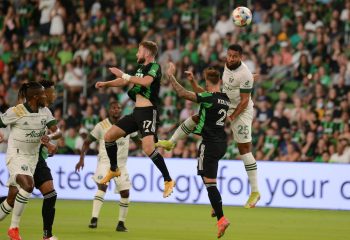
{"x": 123, "y": 143}
{"x": 238, "y": 81}
{"x": 26, "y": 128}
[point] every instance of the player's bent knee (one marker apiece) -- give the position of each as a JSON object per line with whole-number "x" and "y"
{"x": 114, "y": 133}
{"x": 102, "y": 187}
{"x": 124, "y": 193}
{"x": 46, "y": 187}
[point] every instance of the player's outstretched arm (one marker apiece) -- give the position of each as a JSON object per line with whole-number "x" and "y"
{"x": 194, "y": 84}
{"x": 143, "y": 81}
{"x": 119, "y": 82}
{"x": 181, "y": 91}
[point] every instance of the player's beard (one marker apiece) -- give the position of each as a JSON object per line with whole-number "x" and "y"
{"x": 233, "y": 66}
{"x": 141, "y": 60}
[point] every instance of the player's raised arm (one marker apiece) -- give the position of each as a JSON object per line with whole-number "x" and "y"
{"x": 181, "y": 91}
{"x": 194, "y": 84}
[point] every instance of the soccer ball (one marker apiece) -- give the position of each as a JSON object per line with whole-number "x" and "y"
{"x": 242, "y": 16}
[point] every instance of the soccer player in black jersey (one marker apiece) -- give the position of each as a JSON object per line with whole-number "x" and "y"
{"x": 212, "y": 114}
{"x": 144, "y": 118}
{"x": 42, "y": 176}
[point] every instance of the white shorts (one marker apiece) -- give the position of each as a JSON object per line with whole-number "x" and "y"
{"x": 242, "y": 126}
{"x": 122, "y": 182}
{"x": 20, "y": 164}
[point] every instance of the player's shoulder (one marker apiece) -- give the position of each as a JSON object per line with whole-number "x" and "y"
{"x": 104, "y": 124}
{"x": 45, "y": 110}
{"x": 244, "y": 70}
{"x": 20, "y": 110}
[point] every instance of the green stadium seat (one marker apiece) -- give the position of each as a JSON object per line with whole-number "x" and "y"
{"x": 268, "y": 84}
{"x": 290, "y": 86}
{"x": 274, "y": 96}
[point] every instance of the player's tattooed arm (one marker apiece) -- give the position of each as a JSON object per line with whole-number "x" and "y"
{"x": 195, "y": 86}
{"x": 181, "y": 91}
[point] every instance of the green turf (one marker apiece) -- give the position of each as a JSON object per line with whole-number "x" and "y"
{"x": 148, "y": 221}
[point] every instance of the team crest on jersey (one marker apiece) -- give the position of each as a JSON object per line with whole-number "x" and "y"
{"x": 24, "y": 167}
{"x": 231, "y": 80}
{"x": 43, "y": 122}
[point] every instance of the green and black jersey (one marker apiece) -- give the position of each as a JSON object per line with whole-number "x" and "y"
{"x": 151, "y": 92}
{"x": 212, "y": 116}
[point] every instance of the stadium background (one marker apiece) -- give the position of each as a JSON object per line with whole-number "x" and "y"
{"x": 302, "y": 100}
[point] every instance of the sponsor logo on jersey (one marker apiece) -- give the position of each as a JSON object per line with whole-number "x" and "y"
{"x": 35, "y": 134}
{"x": 231, "y": 79}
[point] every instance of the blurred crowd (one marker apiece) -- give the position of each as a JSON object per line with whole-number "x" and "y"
{"x": 300, "y": 49}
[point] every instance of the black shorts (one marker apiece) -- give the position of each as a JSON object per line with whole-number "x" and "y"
{"x": 209, "y": 154}
{"x": 42, "y": 173}
{"x": 143, "y": 119}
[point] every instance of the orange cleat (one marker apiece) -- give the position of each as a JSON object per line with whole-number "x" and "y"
{"x": 168, "y": 188}
{"x": 111, "y": 174}
{"x": 223, "y": 223}
{"x": 13, "y": 234}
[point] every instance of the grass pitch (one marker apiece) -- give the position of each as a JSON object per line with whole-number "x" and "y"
{"x": 152, "y": 221}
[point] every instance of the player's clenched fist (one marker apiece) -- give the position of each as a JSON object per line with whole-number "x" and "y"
{"x": 171, "y": 69}
{"x": 189, "y": 75}
{"x": 100, "y": 85}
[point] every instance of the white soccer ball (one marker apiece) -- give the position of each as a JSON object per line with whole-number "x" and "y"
{"x": 242, "y": 16}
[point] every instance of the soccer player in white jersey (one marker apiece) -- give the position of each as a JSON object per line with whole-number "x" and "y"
{"x": 122, "y": 183}
{"x": 28, "y": 123}
{"x": 238, "y": 85}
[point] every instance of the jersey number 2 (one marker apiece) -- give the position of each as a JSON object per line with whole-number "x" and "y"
{"x": 221, "y": 120}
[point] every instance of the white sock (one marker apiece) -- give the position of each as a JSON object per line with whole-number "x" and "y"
{"x": 183, "y": 130}
{"x": 5, "y": 209}
{"x": 252, "y": 170}
{"x": 97, "y": 203}
{"x": 123, "y": 208}
{"x": 20, "y": 203}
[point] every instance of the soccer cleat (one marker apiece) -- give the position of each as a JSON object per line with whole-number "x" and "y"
{"x": 168, "y": 188}
{"x": 223, "y": 223}
{"x": 252, "y": 200}
{"x": 166, "y": 144}
{"x": 13, "y": 234}
{"x": 111, "y": 174}
{"x": 93, "y": 223}
{"x": 121, "y": 227}
{"x": 212, "y": 213}
{"x": 51, "y": 238}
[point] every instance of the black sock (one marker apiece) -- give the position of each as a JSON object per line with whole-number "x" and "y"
{"x": 48, "y": 212}
{"x": 158, "y": 160}
{"x": 112, "y": 149}
{"x": 215, "y": 199}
